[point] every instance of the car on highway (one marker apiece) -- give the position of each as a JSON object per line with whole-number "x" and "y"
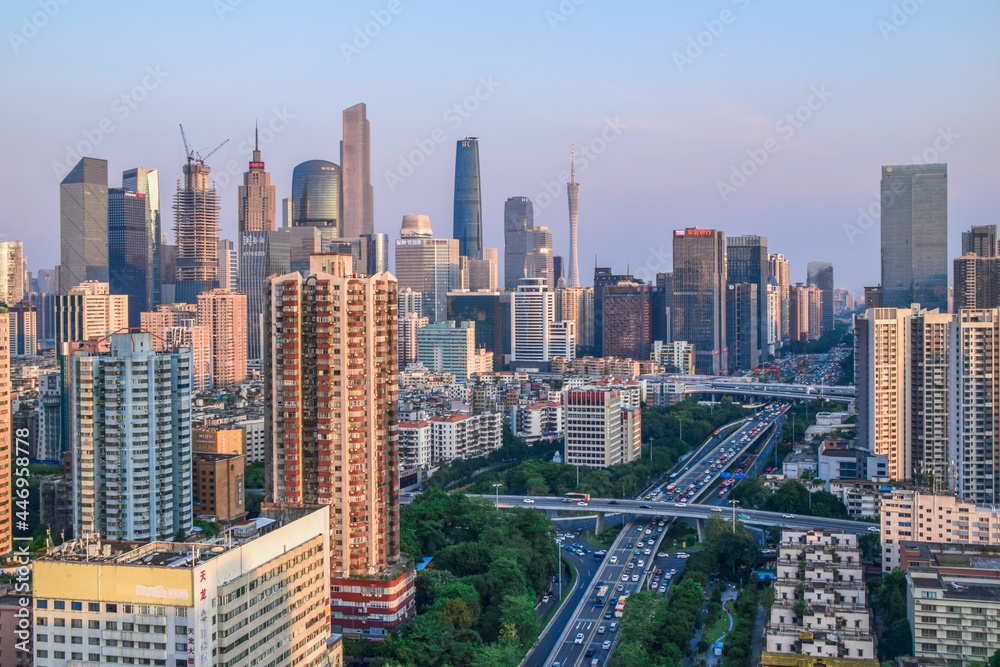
{"x": 683, "y": 555}
{"x": 742, "y": 516}
{"x": 606, "y": 645}
{"x": 787, "y": 516}
{"x": 680, "y": 504}
{"x": 644, "y": 507}
{"x": 609, "y": 613}
{"x": 646, "y": 552}
{"x": 590, "y": 651}
{"x": 528, "y": 500}
{"x": 874, "y": 529}
{"x": 614, "y": 559}
{"x": 579, "y": 639}
{"x": 635, "y": 577}
{"x": 613, "y": 502}
{"x": 717, "y": 509}
{"x": 601, "y": 630}
{"x": 621, "y": 587}
{"x": 581, "y": 504}
{"x": 642, "y": 563}
{"x": 614, "y": 626}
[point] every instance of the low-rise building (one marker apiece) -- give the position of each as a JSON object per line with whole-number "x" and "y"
{"x": 15, "y": 615}
{"x": 538, "y": 421}
{"x": 415, "y": 447}
{"x": 863, "y": 498}
{"x": 174, "y": 603}
{"x": 460, "y": 435}
{"x": 218, "y": 487}
{"x": 820, "y": 609}
{"x": 600, "y": 427}
{"x": 841, "y": 459}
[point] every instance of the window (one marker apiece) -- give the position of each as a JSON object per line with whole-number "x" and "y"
{"x": 928, "y": 619}
{"x": 59, "y": 604}
{"x": 76, "y": 606}
{"x": 94, "y": 641}
{"x": 42, "y": 604}
{"x": 128, "y": 626}
{"x": 59, "y": 622}
{"x": 42, "y": 653}
{"x": 928, "y": 647}
{"x": 111, "y": 608}
{"x": 76, "y": 623}
{"x": 954, "y": 634}
{"x": 94, "y": 657}
{"x": 41, "y": 620}
{"x": 76, "y": 640}
{"x": 928, "y": 594}
{"x": 59, "y": 639}
{"x": 111, "y": 625}
{"x": 94, "y": 625}
{"x": 59, "y": 655}
{"x": 41, "y": 638}
{"x": 76, "y": 656}
{"x": 925, "y": 632}
{"x": 93, "y": 606}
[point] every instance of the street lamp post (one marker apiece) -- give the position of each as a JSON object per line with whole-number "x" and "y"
{"x": 497, "y": 488}
{"x": 734, "y": 503}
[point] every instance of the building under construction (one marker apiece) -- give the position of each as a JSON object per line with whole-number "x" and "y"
{"x": 196, "y": 217}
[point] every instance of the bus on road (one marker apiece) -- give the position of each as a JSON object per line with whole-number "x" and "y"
{"x": 578, "y": 497}
{"x": 601, "y": 597}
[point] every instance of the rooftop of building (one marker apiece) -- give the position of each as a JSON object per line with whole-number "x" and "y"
{"x": 212, "y": 456}
{"x": 953, "y": 590}
{"x": 150, "y": 554}
{"x": 951, "y": 555}
{"x": 769, "y": 658}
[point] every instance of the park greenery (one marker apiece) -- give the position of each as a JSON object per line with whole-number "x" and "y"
{"x": 657, "y": 630}
{"x": 539, "y": 476}
{"x": 512, "y": 450}
{"x": 792, "y": 498}
{"x": 476, "y": 601}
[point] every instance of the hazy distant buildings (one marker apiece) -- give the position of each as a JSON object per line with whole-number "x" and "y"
{"x": 820, "y": 274}
{"x": 83, "y": 224}
{"x": 485, "y": 311}
{"x": 224, "y": 314}
{"x": 427, "y": 265}
{"x": 355, "y": 158}
{"x": 451, "y": 347}
{"x": 980, "y": 240}
{"x": 23, "y": 322}
{"x": 130, "y": 250}
{"x": 88, "y": 311}
{"x": 602, "y": 278}
{"x": 257, "y": 240}
{"x": 483, "y": 274}
{"x": 196, "y": 215}
{"x": 747, "y": 261}
{"x": 518, "y": 222}
{"x": 147, "y": 182}
{"x": 176, "y": 325}
{"x": 915, "y": 236}
{"x": 577, "y": 305}
{"x": 541, "y": 262}
{"x": 573, "y": 195}
{"x": 468, "y": 215}
{"x": 625, "y": 314}
{"x": 131, "y": 441}
{"x": 778, "y": 270}
{"x": 699, "y": 296}
{"x": 13, "y": 272}
{"x": 977, "y": 271}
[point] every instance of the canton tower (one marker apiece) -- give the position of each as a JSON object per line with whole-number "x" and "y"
{"x": 573, "y": 192}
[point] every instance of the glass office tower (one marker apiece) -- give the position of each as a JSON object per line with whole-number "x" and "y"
{"x": 316, "y": 190}
{"x": 130, "y": 251}
{"x": 468, "y": 221}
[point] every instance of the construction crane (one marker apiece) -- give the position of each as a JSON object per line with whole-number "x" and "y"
{"x": 195, "y": 156}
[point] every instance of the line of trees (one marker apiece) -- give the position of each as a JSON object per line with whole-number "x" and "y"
{"x": 792, "y": 497}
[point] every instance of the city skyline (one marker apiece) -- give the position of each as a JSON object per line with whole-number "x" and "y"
{"x": 709, "y": 115}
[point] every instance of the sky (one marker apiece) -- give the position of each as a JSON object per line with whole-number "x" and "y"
{"x": 749, "y": 117}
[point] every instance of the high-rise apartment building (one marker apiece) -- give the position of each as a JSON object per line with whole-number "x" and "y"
{"x": 196, "y": 216}
{"x": 427, "y": 265}
{"x": 741, "y": 326}
{"x": 147, "y": 182}
{"x": 13, "y": 272}
{"x": 573, "y": 196}
{"x": 224, "y": 314}
{"x": 602, "y": 278}
{"x": 6, "y": 436}
{"x": 176, "y": 325}
{"x": 518, "y": 223}
{"x": 356, "y": 159}
{"x": 408, "y": 325}
{"x": 779, "y": 271}
{"x": 130, "y": 250}
{"x": 928, "y": 394}
{"x": 600, "y": 429}
{"x": 468, "y": 215}
{"x": 130, "y": 416}
{"x": 23, "y": 322}
{"x": 699, "y": 296}
{"x": 980, "y": 240}
{"x": 179, "y": 603}
{"x": 87, "y": 311}
{"x": 577, "y": 305}
{"x": 915, "y": 236}
{"x": 625, "y": 314}
{"x": 332, "y": 437}
{"x": 975, "y": 391}
{"x": 83, "y": 224}
{"x": 820, "y": 274}
{"x": 977, "y": 282}
{"x": 805, "y": 313}
{"x": 747, "y": 261}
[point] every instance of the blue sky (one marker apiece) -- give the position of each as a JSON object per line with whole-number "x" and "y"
{"x": 672, "y": 98}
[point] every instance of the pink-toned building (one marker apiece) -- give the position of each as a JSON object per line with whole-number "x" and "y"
{"x": 176, "y": 325}
{"x": 224, "y": 313}
{"x": 15, "y": 614}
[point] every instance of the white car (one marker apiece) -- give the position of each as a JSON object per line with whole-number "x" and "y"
{"x": 874, "y": 529}
{"x": 528, "y": 500}
{"x": 642, "y": 563}
{"x": 639, "y": 544}
{"x": 787, "y": 516}
{"x": 583, "y": 504}
{"x": 614, "y": 559}
{"x": 579, "y": 639}
{"x": 635, "y": 577}
{"x": 680, "y": 504}
{"x": 716, "y": 509}
{"x": 606, "y": 645}
{"x": 647, "y": 552}
{"x": 601, "y": 630}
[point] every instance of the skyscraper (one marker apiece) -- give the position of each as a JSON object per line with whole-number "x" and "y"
{"x": 778, "y": 270}
{"x": 6, "y": 435}
{"x": 741, "y": 326}
{"x": 316, "y": 197}
{"x": 130, "y": 250}
{"x": 928, "y": 394}
{"x": 699, "y": 296}
{"x": 820, "y": 274}
{"x": 224, "y": 314}
{"x": 427, "y": 265}
{"x": 541, "y": 262}
{"x": 176, "y": 325}
{"x": 915, "y": 236}
{"x": 533, "y": 310}
{"x": 482, "y": 308}
{"x": 23, "y": 331}
{"x": 131, "y": 440}
{"x": 196, "y": 215}
{"x": 977, "y": 282}
{"x": 83, "y": 224}
{"x": 483, "y": 272}
{"x": 255, "y": 197}
{"x": 88, "y": 311}
{"x": 980, "y": 240}
{"x": 229, "y": 266}
{"x": 468, "y": 220}
{"x": 602, "y": 278}
{"x": 518, "y": 222}
{"x": 13, "y": 271}
{"x": 626, "y": 314}
{"x": 147, "y": 182}
{"x": 747, "y": 261}
{"x": 356, "y": 159}
{"x": 573, "y": 195}
{"x": 332, "y": 438}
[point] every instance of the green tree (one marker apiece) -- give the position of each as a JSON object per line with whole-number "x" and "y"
{"x": 897, "y": 640}
{"x": 995, "y": 659}
{"x": 519, "y": 612}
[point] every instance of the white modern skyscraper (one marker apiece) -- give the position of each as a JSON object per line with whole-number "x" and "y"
{"x": 427, "y": 265}
{"x": 130, "y": 424}
{"x": 532, "y": 311}
{"x": 573, "y": 194}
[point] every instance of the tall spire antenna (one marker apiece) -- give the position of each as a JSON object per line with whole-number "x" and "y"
{"x": 256, "y": 137}
{"x": 572, "y": 163}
